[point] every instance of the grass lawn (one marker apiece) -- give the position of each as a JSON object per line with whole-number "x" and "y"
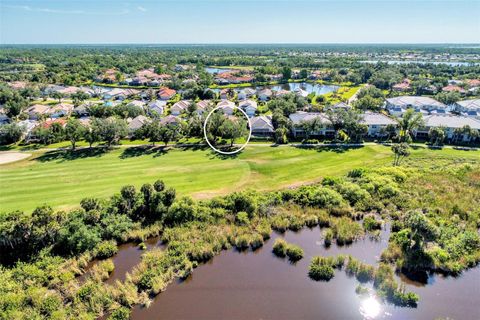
{"x": 62, "y": 180}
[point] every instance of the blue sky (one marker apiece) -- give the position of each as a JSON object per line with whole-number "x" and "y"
{"x": 236, "y": 21}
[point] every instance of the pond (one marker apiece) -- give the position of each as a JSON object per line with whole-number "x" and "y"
{"x": 258, "y": 285}
{"x": 291, "y": 86}
{"x": 216, "y": 70}
{"x": 307, "y": 86}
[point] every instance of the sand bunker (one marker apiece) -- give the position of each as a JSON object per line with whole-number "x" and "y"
{"x": 7, "y": 157}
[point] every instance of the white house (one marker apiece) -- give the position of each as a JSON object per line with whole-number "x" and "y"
{"x": 299, "y": 117}
{"x": 157, "y": 106}
{"x": 249, "y": 106}
{"x": 397, "y": 106}
{"x": 469, "y": 108}
{"x": 180, "y": 107}
{"x": 376, "y": 122}
{"x": 227, "y": 106}
{"x": 449, "y": 122}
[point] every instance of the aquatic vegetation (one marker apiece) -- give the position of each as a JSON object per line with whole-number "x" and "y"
{"x": 280, "y": 247}
{"x": 294, "y": 252}
{"x": 321, "y": 268}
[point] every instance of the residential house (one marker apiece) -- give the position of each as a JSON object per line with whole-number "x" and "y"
{"x": 403, "y": 86}
{"x": 340, "y": 105}
{"x": 157, "y": 106}
{"x": 468, "y": 107}
{"x": 224, "y": 94}
{"x": 246, "y": 93}
{"x": 265, "y": 94}
{"x": 116, "y": 94}
{"x": 137, "y": 103}
{"x": 180, "y": 107}
{"x": 249, "y": 106}
{"x": 376, "y": 123}
{"x": 449, "y": 122}
{"x": 34, "y": 112}
{"x": 398, "y": 105}
{"x": 227, "y": 106}
{"x": 170, "y": 120}
{"x": 203, "y": 105}
{"x": 61, "y": 110}
{"x": 166, "y": 93}
{"x": 262, "y": 126}
{"x": 136, "y": 123}
{"x": 453, "y": 88}
{"x": 299, "y": 117}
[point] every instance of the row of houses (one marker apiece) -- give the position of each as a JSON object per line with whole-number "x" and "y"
{"x": 460, "y": 86}
{"x": 397, "y": 106}
{"x": 377, "y": 124}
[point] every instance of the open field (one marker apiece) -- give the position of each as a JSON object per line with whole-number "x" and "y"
{"x": 61, "y": 179}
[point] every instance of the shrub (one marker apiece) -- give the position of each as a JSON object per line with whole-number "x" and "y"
{"x": 106, "y": 249}
{"x": 121, "y": 313}
{"x": 264, "y": 229}
{"x": 242, "y": 242}
{"x": 242, "y": 218}
{"x": 256, "y": 241}
{"x": 280, "y": 223}
{"x": 346, "y": 230}
{"x": 311, "y": 221}
{"x": 294, "y": 252}
{"x": 327, "y": 237}
{"x": 280, "y": 247}
{"x": 321, "y": 268}
{"x": 370, "y": 223}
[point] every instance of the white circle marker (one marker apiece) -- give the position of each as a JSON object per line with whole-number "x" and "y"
{"x": 225, "y": 152}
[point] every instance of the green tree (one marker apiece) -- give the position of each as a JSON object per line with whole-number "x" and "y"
{"x": 10, "y": 133}
{"x": 410, "y": 122}
{"x": 400, "y": 151}
{"x": 437, "y": 135}
{"x": 74, "y": 131}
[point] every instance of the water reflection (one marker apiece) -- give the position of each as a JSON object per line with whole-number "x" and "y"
{"x": 370, "y": 308}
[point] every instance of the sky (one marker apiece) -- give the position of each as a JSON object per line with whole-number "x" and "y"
{"x": 239, "y": 21}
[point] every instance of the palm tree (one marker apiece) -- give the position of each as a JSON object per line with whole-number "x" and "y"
{"x": 410, "y": 122}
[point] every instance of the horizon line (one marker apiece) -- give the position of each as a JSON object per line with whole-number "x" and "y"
{"x": 245, "y": 43}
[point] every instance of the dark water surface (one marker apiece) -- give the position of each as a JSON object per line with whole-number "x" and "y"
{"x": 258, "y": 285}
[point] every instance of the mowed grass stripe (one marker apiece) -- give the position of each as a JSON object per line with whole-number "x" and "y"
{"x": 63, "y": 183}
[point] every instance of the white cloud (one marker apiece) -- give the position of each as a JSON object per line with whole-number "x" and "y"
{"x": 59, "y": 11}
{"x": 140, "y": 8}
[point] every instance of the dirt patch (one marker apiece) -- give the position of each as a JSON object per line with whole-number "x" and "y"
{"x": 7, "y": 157}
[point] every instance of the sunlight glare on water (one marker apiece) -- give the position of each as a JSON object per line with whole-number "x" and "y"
{"x": 370, "y": 308}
